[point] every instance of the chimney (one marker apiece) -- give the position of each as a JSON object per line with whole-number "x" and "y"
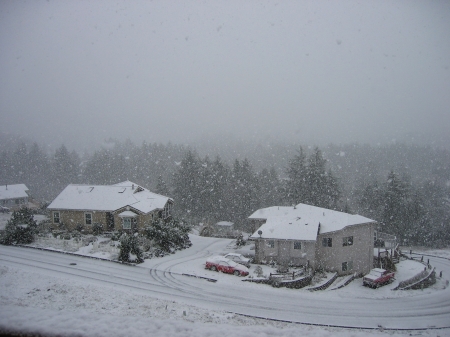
{"x": 132, "y": 187}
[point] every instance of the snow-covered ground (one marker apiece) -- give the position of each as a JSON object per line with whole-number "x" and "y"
{"x": 52, "y": 293}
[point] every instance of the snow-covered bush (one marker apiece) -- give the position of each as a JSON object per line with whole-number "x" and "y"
{"x": 168, "y": 236}
{"x": 240, "y": 240}
{"x": 20, "y": 229}
{"x": 259, "y": 271}
{"x": 129, "y": 249}
{"x": 97, "y": 228}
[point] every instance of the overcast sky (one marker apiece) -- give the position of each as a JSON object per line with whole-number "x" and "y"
{"x": 78, "y": 72}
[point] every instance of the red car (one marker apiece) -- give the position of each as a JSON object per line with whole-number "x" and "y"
{"x": 219, "y": 263}
{"x": 378, "y": 277}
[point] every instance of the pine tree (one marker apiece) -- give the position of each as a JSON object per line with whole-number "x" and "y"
{"x": 161, "y": 187}
{"x": 395, "y": 206}
{"x": 270, "y": 193}
{"x": 296, "y": 189}
{"x": 125, "y": 248}
{"x": 20, "y": 229}
{"x": 168, "y": 235}
{"x": 187, "y": 185}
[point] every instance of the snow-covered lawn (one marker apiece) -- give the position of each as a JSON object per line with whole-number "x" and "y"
{"x": 32, "y": 302}
{"x": 196, "y": 267}
{"x": 56, "y": 305}
{"x": 48, "y": 302}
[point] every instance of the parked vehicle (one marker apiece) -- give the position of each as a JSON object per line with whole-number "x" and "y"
{"x": 238, "y": 258}
{"x": 220, "y": 263}
{"x": 378, "y": 277}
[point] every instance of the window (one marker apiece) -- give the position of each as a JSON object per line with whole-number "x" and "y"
{"x": 347, "y": 266}
{"x": 167, "y": 209}
{"x": 126, "y": 223}
{"x": 347, "y": 241}
{"x": 297, "y": 245}
{"x": 271, "y": 243}
{"x": 88, "y": 218}
{"x": 327, "y": 242}
{"x": 55, "y": 217}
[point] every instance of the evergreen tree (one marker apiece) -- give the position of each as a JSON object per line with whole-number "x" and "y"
{"x": 129, "y": 245}
{"x": 187, "y": 185}
{"x": 395, "y": 206}
{"x": 296, "y": 188}
{"x": 219, "y": 180}
{"x": 65, "y": 168}
{"x": 20, "y": 229}
{"x": 270, "y": 187}
{"x": 161, "y": 187}
{"x": 243, "y": 192}
{"x": 168, "y": 235}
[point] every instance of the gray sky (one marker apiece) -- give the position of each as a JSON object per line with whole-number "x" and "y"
{"x": 78, "y": 72}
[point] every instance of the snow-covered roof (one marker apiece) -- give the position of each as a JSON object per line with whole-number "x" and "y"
{"x": 13, "y": 191}
{"x": 302, "y": 221}
{"x": 288, "y": 228}
{"x": 108, "y": 198}
{"x": 127, "y": 214}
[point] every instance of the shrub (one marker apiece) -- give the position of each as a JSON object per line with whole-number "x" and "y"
{"x": 168, "y": 236}
{"x": 129, "y": 246}
{"x": 20, "y": 229}
{"x": 240, "y": 240}
{"x": 97, "y": 228}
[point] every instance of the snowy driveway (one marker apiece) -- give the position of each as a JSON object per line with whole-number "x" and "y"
{"x": 163, "y": 278}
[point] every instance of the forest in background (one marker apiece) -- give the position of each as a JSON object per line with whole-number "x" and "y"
{"x": 406, "y": 188}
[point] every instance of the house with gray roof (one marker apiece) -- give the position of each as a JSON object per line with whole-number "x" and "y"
{"x": 123, "y": 206}
{"x": 315, "y": 237}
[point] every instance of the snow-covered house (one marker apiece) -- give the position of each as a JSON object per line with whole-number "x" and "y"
{"x": 320, "y": 238}
{"x": 13, "y": 196}
{"x": 123, "y": 206}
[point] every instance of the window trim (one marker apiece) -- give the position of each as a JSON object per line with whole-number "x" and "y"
{"x": 348, "y": 266}
{"x": 347, "y": 241}
{"x": 270, "y": 243}
{"x": 167, "y": 210}
{"x": 59, "y": 217}
{"x": 86, "y": 220}
{"x": 327, "y": 242}
{"x": 128, "y": 220}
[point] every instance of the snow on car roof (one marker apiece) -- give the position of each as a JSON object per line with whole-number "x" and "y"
{"x": 108, "y": 198}
{"x": 302, "y": 221}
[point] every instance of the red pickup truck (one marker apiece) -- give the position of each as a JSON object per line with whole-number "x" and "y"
{"x": 378, "y": 277}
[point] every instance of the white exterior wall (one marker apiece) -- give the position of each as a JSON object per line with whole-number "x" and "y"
{"x": 360, "y": 253}
{"x": 283, "y": 252}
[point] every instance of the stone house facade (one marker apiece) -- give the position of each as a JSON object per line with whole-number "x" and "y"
{"x": 124, "y": 206}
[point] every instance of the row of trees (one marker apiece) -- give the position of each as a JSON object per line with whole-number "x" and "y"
{"x": 416, "y": 214}
{"x": 212, "y": 191}
{"x": 416, "y": 209}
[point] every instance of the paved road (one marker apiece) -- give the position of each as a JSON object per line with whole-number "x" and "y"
{"x": 164, "y": 280}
